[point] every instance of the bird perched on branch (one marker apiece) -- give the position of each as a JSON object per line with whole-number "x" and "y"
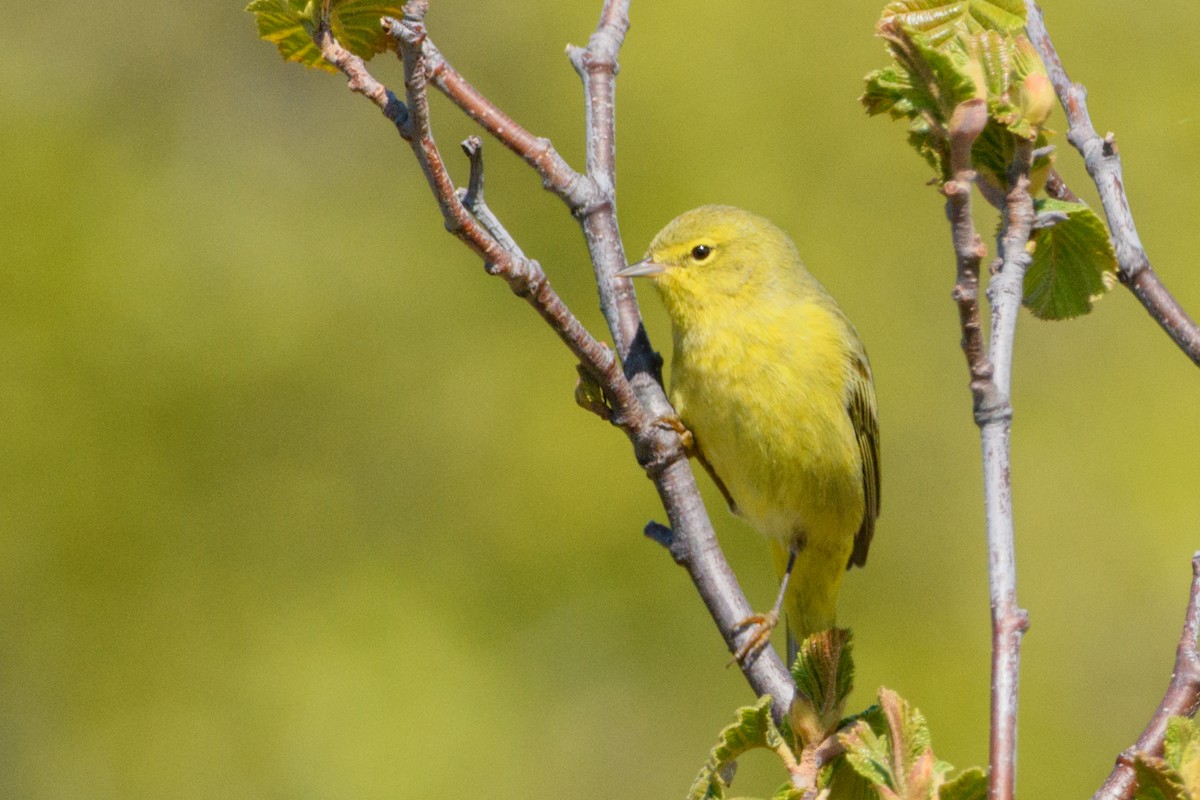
{"x": 772, "y": 383}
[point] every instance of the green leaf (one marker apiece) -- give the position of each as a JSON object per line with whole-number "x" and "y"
{"x": 970, "y": 785}
{"x": 291, "y": 24}
{"x": 824, "y": 671}
{"x": 898, "y": 760}
{"x": 844, "y": 782}
{"x": 938, "y": 79}
{"x": 942, "y": 20}
{"x": 888, "y": 90}
{"x": 1157, "y": 781}
{"x": 788, "y": 792}
{"x": 754, "y": 729}
{"x": 1181, "y": 749}
{"x": 993, "y": 152}
{"x": 1073, "y": 263}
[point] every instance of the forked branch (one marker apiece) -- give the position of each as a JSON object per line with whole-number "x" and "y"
{"x": 1181, "y": 699}
{"x": 1103, "y": 162}
{"x": 634, "y": 391}
{"x": 990, "y": 383}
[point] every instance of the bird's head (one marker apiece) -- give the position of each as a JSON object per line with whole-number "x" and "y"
{"x": 713, "y": 254}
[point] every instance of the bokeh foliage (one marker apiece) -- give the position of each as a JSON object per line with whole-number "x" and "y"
{"x": 296, "y": 502}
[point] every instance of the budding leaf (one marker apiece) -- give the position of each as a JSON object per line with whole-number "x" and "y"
{"x": 1073, "y": 263}
{"x": 1157, "y": 781}
{"x": 942, "y": 20}
{"x": 970, "y": 785}
{"x": 1181, "y": 749}
{"x": 291, "y": 24}
{"x": 824, "y": 671}
{"x": 895, "y": 756}
{"x": 754, "y": 729}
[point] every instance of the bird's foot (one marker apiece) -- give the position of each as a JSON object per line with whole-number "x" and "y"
{"x": 674, "y": 423}
{"x": 761, "y": 626}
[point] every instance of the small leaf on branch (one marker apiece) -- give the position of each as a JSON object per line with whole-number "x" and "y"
{"x": 970, "y": 785}
{"x": 824, "y": 672}
{"x": 892, "y": 751}
{"x": 942, "y": 20}
{"x": 754, "y": 729}
{"x": 291, "y": 25}
{"x": 948, "y": 53}
{"x": 1073, "y": 262}
{"x": 1181, "y": 749}
{"x": 1157, "y": 781}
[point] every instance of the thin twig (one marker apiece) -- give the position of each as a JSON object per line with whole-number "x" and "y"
{"x": 1103, "y": 163}
{"x": 990, "y": 385}
{"x": 360, "y": 80}
{"x": 639, "y": 399}
{"x": 472, "y": 198}
{"x": 1181, "y": 699}
{"x": 537, "y": 151}
{"x": 523, "y": 275}
{"x": 692, "y": 541}
{"x": 967, "y": 123}
{"x": 1009, "y": 620}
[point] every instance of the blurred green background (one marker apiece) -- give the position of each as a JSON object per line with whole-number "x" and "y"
{"x": 295, "y": 502}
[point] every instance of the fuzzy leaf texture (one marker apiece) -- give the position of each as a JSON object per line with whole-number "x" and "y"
{"x": 942, "y": 20}
{"x": 843, "y": 781}
{"x": 753, "y": 729}
{"x": 1157, "y": 781}
{"x": 895, "y": 756}
{"x": 924, "y": 85}
{"x": 291, "y": 24}
{"x": 970, "y": 785}
{"x": 1181, "y": 749}
{"x": 1073, "y": 263}
{"x": 824, "y": 671}
{"x": 993, "y": 152}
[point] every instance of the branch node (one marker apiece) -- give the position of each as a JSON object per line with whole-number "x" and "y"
{"x": 1109, "y": 147}
{"x": 657, "y": 532}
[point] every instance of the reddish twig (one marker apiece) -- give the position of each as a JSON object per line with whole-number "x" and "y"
{"x": 1181, "y": 699}
{"x": 537, "y": 151}
{"x": 1103, "y": 163}
{"x": 990, "y": 383}
{"x": 967, "y": 123}
{"x": 635, "y": 392}
{"x": 523, "y": 275}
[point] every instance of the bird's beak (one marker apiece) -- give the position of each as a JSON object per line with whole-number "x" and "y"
{"x": 643, "y": 267}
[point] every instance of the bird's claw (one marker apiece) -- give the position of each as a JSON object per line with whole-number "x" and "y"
{"x": 674, "y": 423}
{"x": 762, "y": 626}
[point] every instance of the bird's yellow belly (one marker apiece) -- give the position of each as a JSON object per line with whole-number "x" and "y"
{"x": 777, "y": 433}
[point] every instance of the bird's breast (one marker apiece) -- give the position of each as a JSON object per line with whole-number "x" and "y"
{"x": 765, "y": 397}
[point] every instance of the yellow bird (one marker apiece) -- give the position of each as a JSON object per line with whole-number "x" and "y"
{"x": 774, "y": 385}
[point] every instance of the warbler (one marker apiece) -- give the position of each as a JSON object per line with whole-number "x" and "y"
{"x": 773, "y": 384}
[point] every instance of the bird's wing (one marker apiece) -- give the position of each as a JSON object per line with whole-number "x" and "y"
{"x": 698, "y": 452}
{"x": 860, "y": 403}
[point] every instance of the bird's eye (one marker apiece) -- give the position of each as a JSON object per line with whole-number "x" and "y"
{"x": 701, "y": 252}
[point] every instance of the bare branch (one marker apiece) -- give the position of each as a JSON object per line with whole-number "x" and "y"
{"x": 360, "y": 80}
{"x": 990, "y": 384}
{"x": 693, "y": 542}
{"x": 1181, "y": 699}
{"x": 524, "y": 276}
{"x": 965, "y": 126}
{"x": 472, "y": 199}
{"x": 638, "y": 401}
{"x": 538, "y": 152}
{"x": 1103, "y": 163}
{"x": 1009, "y": 620}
